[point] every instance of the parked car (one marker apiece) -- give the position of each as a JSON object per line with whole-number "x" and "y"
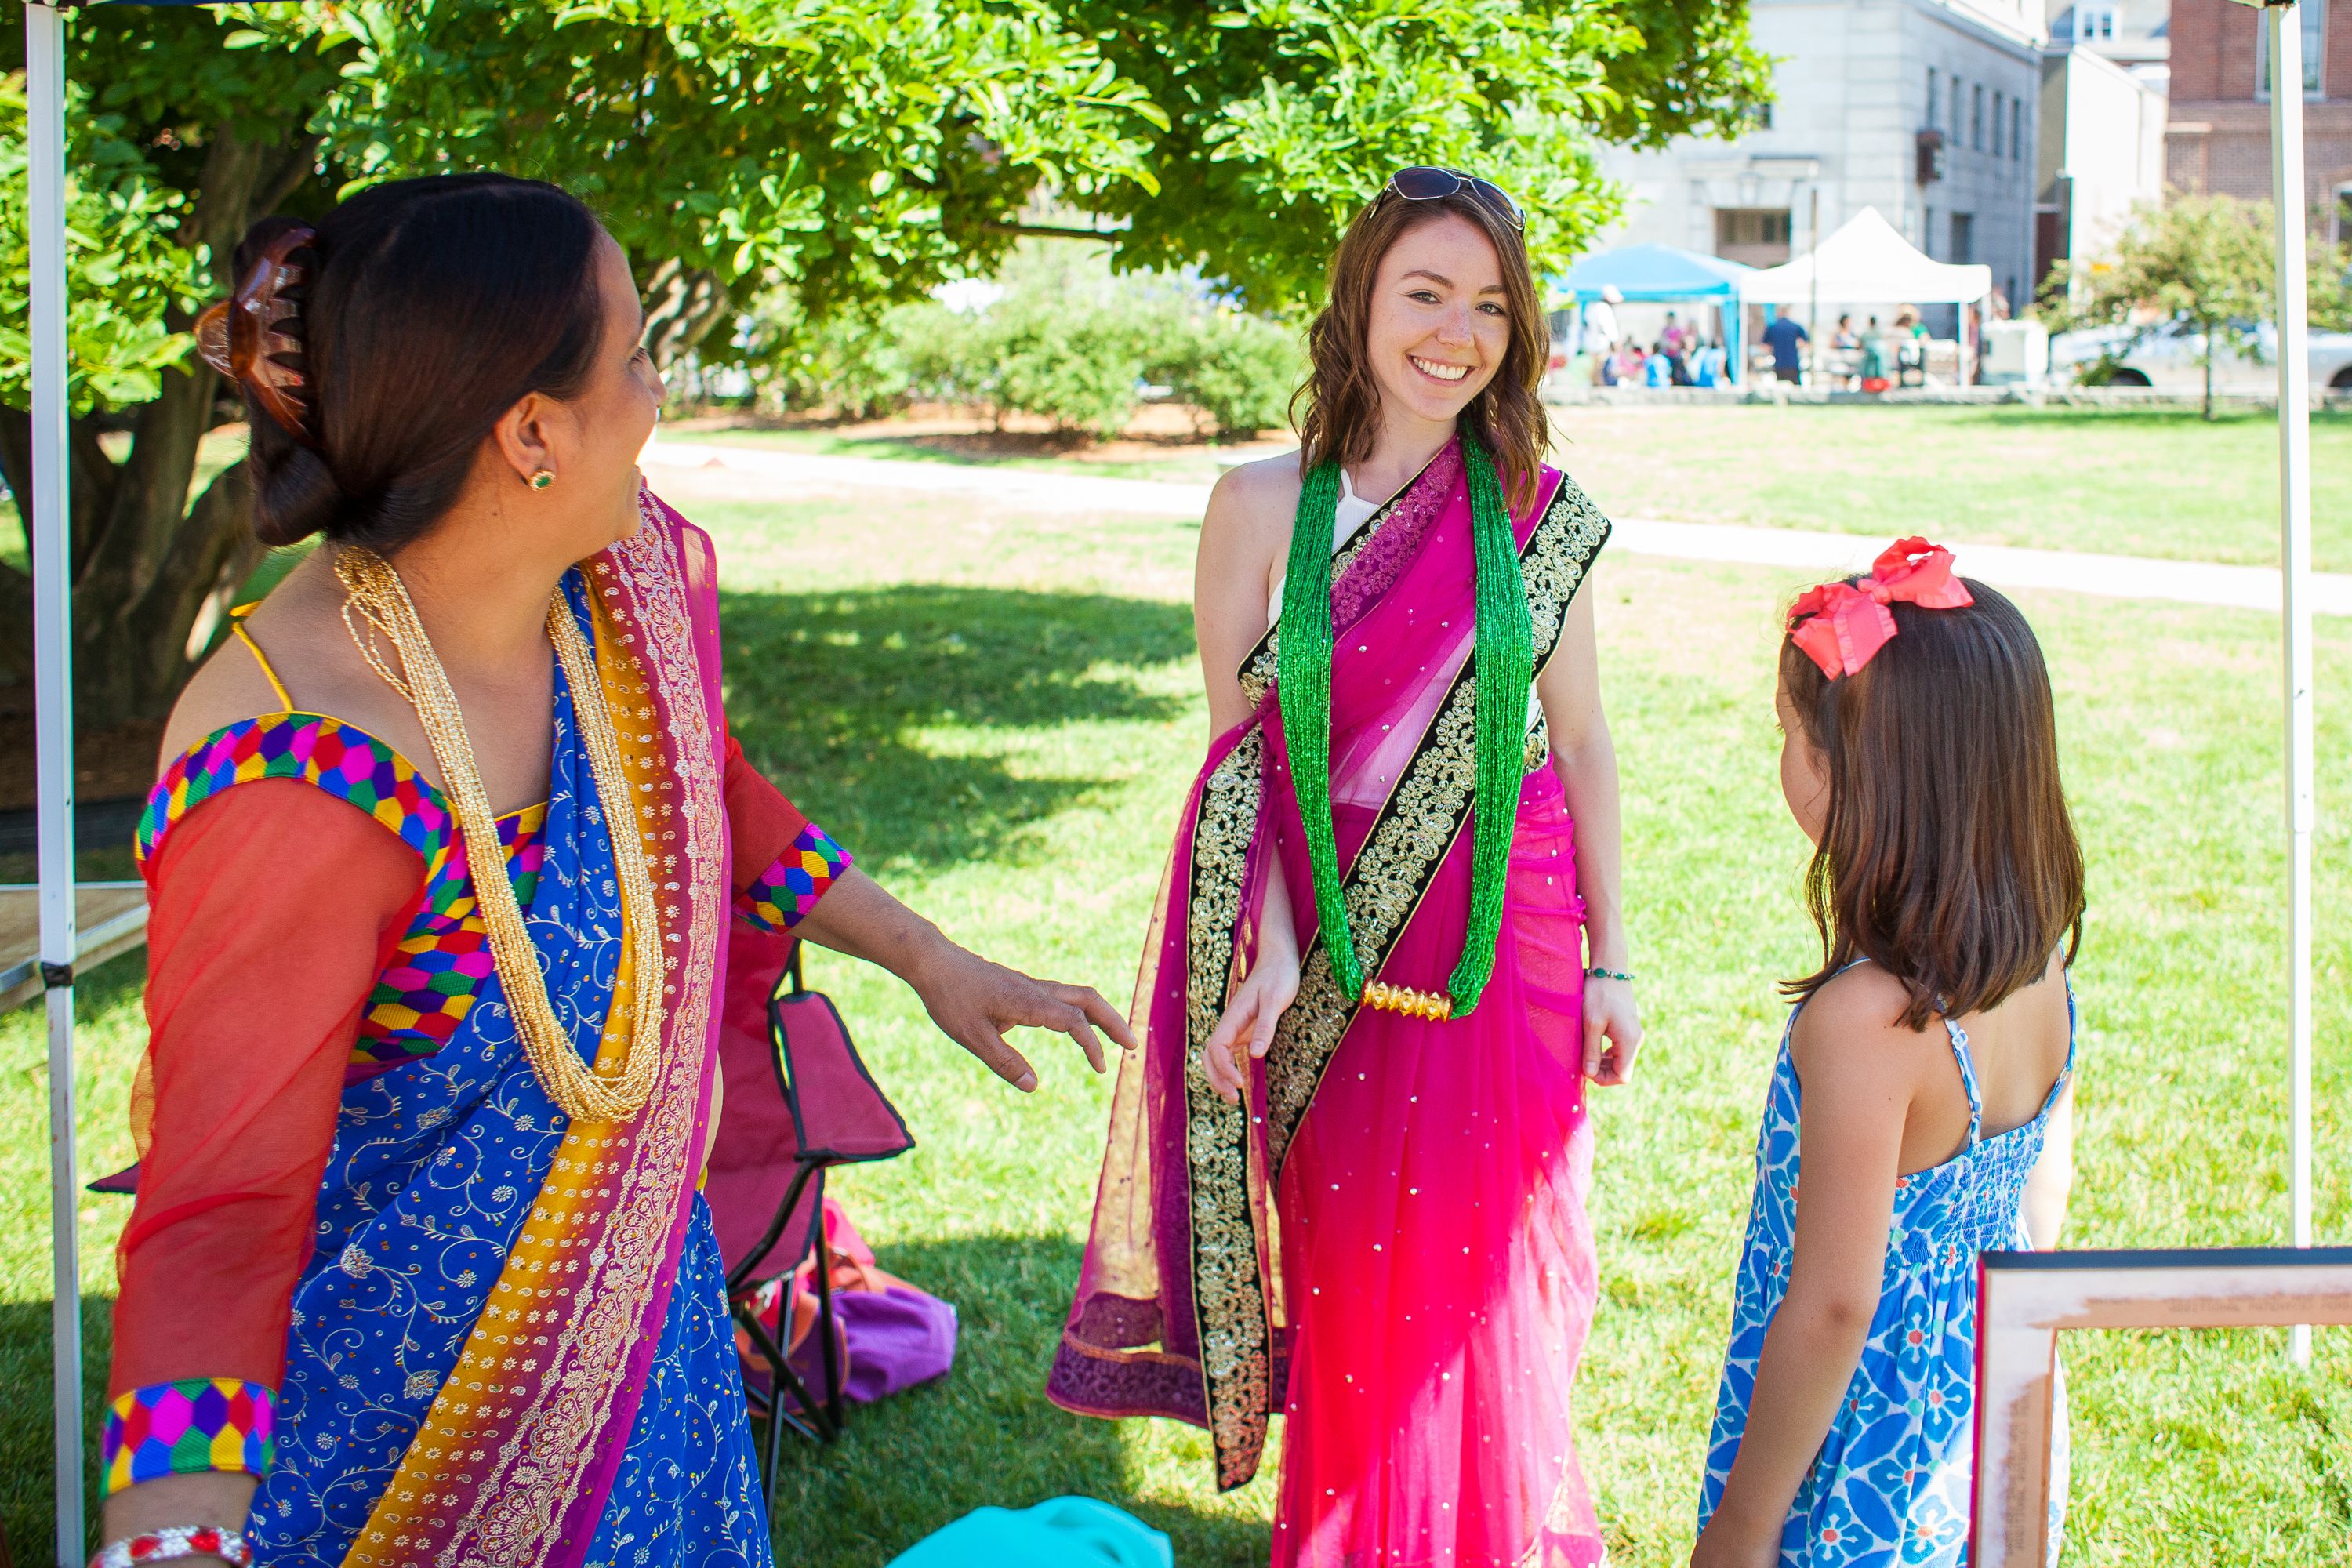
{"x": 2168, "y": 358}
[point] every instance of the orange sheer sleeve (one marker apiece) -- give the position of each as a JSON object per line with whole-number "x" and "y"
{"x": 783, "y": 862}
{"x": 276, "y": 906}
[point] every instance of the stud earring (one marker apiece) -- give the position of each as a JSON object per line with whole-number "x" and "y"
{"x": 542, "y": 479}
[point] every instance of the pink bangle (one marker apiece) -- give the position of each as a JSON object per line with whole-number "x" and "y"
{"x": 179, "y": 1540}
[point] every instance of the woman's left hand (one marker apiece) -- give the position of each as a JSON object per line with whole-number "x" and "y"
{"x": 1612, "y": 1031}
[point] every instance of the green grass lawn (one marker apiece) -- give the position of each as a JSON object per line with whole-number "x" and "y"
{"x": 1000, "y": 715}
{"x": 2155, "y": 481}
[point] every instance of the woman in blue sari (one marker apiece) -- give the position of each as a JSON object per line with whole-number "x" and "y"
{"x": 418, "y": 1272}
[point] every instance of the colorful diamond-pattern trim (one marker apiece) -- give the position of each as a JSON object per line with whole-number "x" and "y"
{"x": 439, "y": 966}
{"x": 347, "y": 763}
{"x": 781, "y": 897}
{"x": 189, "y": 1427}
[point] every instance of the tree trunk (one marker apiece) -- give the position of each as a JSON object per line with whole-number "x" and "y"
{"x": 682, "y": 305}
{"x": 147, "y": 567}
{"x": 2209, "y": 373}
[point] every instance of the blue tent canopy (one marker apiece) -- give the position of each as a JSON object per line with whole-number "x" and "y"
{"x": 1656, "y": 274}
{"x": 1653, "y": 272}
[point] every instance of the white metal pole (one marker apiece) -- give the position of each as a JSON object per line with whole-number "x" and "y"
{"x": 2285, "y": 23}
{"x": 44, "y": 94}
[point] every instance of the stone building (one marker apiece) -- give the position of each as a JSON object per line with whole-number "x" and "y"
{"x": 2218, "y": 138}
{"x": 1926, "y": 110}
{"x": 2104, "y": 113}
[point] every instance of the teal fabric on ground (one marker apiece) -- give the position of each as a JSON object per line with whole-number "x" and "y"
{"x": 1068, "y": 1533}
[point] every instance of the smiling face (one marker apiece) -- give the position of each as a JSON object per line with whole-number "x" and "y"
{"x": 1440, "y": 324}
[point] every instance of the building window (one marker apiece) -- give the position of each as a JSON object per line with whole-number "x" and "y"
{"x": 2313, "y": 14}
{"x": 2016, "y": 130}
{"x": 1756, "y": 235}
{"x": 1976, "y": 117}
{"x": 1964, "y": 236}
{"x": 2342, "y": 216}
{"x": 2095, "y": 24}
{"x": 1996, "y": 124}
{"x": 1934, "y": 104}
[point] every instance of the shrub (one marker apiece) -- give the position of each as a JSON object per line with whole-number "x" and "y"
{"x": 1239, "y": 370}
{"x": 1068, "y": 341}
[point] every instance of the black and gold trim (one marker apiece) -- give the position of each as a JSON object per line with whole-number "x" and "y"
{"x": 1417, "y": 826}
{"x": 1228, "y": 1290}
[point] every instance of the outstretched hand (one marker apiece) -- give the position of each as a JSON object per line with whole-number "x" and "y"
{"x": 974, "y": 1001}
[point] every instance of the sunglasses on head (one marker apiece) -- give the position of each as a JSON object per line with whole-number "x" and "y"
{"x": 1424, "y": 184}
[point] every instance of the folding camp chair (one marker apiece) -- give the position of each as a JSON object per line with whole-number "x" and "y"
{"x": 799, "y": 1102}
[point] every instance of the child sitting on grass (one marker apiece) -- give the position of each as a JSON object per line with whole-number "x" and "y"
{"x": 1922, "y": 1085}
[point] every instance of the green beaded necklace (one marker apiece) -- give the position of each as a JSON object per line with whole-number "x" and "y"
{"x": 1503, "y": 659}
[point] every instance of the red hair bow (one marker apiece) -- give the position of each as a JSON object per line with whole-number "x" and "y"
{"x": 1841, "y": 625}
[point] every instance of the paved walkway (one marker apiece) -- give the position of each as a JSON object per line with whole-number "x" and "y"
{"x": 776, "y": 472}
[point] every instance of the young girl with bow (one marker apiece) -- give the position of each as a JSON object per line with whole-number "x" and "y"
{"x": 1923, "y": 1084}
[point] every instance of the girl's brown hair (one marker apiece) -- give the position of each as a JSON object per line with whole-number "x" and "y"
{"x": 1343, "y": 401}
{"x": 1949, "y": 856}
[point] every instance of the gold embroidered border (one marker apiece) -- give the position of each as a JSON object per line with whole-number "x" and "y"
{"x": 1228, "y": 1295}
{"x": 518, "y": 1510}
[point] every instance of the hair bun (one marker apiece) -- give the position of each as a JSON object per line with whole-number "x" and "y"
{"x": 295, "y": 496}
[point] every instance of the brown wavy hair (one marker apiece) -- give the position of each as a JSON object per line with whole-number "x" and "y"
{"x": 1949, "y": 856}
{"x": 1343, "y": 402}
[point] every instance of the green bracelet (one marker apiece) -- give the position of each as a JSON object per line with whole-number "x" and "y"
{"x": 1597, "y": 972}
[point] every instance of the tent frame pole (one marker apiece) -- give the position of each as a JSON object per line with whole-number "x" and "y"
{"x": 45, "y": 91}
{"x": 2285, "y": 23}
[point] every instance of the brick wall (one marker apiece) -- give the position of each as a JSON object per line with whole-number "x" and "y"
{"x": 2218, "y": 135}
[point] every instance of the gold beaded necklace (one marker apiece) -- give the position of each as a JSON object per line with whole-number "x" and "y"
{"x": 375, "y": 592}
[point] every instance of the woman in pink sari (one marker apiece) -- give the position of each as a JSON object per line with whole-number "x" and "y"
{"x": 1346, "y": 1178}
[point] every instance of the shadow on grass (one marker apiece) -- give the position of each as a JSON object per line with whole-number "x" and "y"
{"x": 982, "y": 1435}
{"x": 827, "y": 690}
{"x": 29, "y": 1426}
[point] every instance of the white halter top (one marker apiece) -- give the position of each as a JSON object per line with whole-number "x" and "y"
{"x": 1353, "y": 512}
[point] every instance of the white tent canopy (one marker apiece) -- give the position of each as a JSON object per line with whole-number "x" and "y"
{"x": 1865, "y": 262}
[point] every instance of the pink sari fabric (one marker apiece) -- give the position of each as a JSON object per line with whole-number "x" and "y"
{"x": 1414, "y": 1298}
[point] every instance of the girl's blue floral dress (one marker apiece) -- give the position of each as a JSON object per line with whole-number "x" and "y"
{"x": 1891, "y": 1483}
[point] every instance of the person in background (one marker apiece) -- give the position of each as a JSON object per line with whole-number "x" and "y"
{"x": 1924, "y": 1082}
{"x": 1630, "y": 362}
{"x": 1658, "y": 368}
{"x": 1911, "y": 347}
{"x": 1785, "y": 335}
{"x": 1676, "y": 341}
{"x": 1711, "y": 364}
{"x": 1876, "y": 364}
{"x": 1600, "y": 329}
{"x": 1844, "y": 339}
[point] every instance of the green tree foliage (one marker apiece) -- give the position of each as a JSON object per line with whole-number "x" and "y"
{"x": 2206, "y": 263}
{"x": 852, "y": 154}
{"x": 1287, "y": 114}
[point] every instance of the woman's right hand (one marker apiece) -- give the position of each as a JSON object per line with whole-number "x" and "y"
{"x": 1256, "y": 1007}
